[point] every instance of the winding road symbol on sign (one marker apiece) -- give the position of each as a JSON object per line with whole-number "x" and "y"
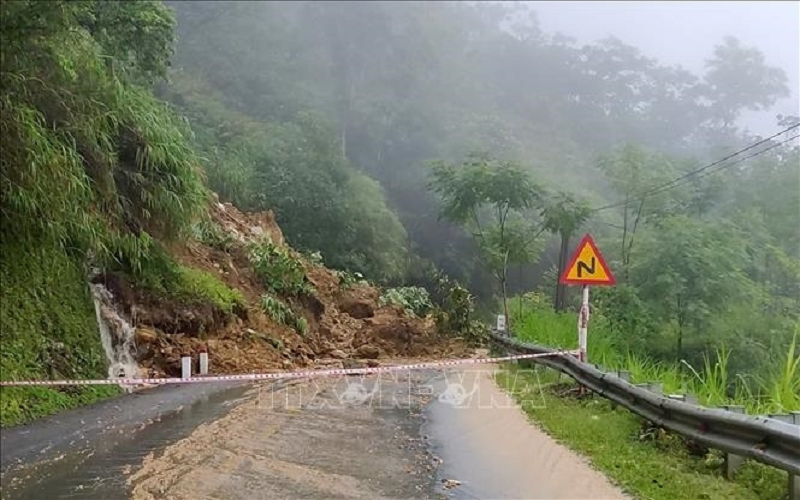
{"x": 587, "y": 266}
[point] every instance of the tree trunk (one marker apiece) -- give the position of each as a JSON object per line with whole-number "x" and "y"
{"x": 520, "y": 293}
{"x": 679, "y": 347}
{"x": 561, "y": 289}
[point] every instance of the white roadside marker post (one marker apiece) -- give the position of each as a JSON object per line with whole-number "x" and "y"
{"x": 501, "y": 323}
{"x": 186, "y": 367}
{"x": 203, "y": 363}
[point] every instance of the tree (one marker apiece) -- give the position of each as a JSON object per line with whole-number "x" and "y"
{"x": 490, "y": 198}
{"x": 632, "y": 171}
{"x": 688, "y": 271}
{"x": 563, "y": 216}
{"x": 737, "y": 78}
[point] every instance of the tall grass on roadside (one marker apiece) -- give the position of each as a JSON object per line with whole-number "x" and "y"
{"x": 549, "y": 328}
{"x": 712, "y": 383}
{"x": 782, "y": 385}
{"x": 711, "y": 386}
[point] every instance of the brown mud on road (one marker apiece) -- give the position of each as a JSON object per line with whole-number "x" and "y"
{"x": 348, "y": 437}
{"x": 412, "y": 435}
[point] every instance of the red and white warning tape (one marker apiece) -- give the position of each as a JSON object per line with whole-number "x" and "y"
{"x": 281, "y": 375}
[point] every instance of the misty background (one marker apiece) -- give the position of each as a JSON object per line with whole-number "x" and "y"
{"x": 684, "y": 33}
{"x": 387, "y": 138}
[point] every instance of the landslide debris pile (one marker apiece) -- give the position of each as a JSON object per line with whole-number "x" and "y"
{"x": 336, "y": 324}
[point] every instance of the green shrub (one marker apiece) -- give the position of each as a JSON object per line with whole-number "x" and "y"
{"x": 348, "y": 279}
{"x": 163, "y": 276}
{"x": 301, "y": 325}
{"x": 413, "y": 299}
{"x": 209, "y": 233}
{"x": 278, "y": 270}
{"x": 281, "y": 313}
{"x": 195, "y": 284}
{"x": 49, "y": 331}
{"x": 456, "y": 313}
{"x": 314, "y": 257}
{"x": 276, "y": 309}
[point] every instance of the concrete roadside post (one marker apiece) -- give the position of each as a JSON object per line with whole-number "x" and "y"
{"x": 583, "y": 325}
{"x": 204, "y": 363}
{"x": 186, "y": 367}
{"x": 501, "y": 325}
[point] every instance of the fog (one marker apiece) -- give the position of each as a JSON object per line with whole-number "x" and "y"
{"x": 415, "y": 144}
{"x": 685, "y": 33}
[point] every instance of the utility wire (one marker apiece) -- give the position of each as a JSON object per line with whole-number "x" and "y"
{"x": 720, "y": 167}
{"x": 740, "y": 160}
{"x": 677, "y": 181}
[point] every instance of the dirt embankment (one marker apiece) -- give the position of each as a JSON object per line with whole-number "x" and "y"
{"x": 346, "y": 326}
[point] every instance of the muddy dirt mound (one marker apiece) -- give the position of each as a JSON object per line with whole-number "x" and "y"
{"x": 246, "y": 226}
{"x": 391, "y": 333}
{"x": 359, "y": 302}
{"x": 343, "y": 323}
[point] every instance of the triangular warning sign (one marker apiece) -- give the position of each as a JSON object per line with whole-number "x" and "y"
{"x": 587, "y": 266}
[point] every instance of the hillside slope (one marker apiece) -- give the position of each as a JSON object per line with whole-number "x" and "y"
{"x": 342, "y": 322}
{"x": 205, "y": 292}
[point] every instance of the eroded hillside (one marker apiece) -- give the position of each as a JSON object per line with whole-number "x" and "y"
{"x": 268, "y": 325}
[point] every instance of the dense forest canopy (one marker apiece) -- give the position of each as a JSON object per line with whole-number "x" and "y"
{"x": 117, "y": 116}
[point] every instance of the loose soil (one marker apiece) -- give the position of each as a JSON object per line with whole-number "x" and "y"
{"x": 345, "y": 326}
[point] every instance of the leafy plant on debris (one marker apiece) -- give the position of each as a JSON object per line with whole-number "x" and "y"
{"x": 281, "y": 313}
{"x": 413, "y": 299}
{"x": 280, "y": 272}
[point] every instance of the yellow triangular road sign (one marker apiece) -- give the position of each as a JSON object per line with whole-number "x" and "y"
{"x": 587, "y": 266}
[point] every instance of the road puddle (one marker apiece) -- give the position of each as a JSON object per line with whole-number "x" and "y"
{"x": 492, "y": 451}
{"x": 98, "y": 469}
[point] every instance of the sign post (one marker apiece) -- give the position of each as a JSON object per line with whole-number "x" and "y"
{"x": 583, "y": 324}
{"x": 587, "y": 267}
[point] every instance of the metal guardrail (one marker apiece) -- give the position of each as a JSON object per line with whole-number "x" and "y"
{"x": 763, "y": 439}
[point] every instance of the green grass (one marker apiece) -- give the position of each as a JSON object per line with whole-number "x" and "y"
{"x": 49, "y": 330}
{"x": 712, "y": 383}
{"x": 648, "y": 469}
{"x": 163, "y": 276}
{"x": 195, "y": 284}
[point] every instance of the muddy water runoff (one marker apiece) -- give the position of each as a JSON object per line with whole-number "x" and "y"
{"x": 93, "y": 465}
{"x": 488, "y": 445}
{"x": 484, "y": 440}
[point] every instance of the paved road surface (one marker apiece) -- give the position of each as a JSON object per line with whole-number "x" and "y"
{"x": 388, "y": 437}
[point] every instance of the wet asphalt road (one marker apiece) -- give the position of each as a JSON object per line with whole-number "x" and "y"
{"x": 371, "y": 438}
{"x": 83, "y": 453}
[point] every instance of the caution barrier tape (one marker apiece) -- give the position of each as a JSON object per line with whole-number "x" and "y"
{"x": 281, "y": 375}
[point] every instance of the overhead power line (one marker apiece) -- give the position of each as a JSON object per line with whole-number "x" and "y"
{"x": 706, "y": 170}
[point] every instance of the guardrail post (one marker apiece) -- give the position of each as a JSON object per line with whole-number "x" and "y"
{"x": 794, "y": 481}
{"x": 655, "y": 388}
{"x": 733, "y": 462}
